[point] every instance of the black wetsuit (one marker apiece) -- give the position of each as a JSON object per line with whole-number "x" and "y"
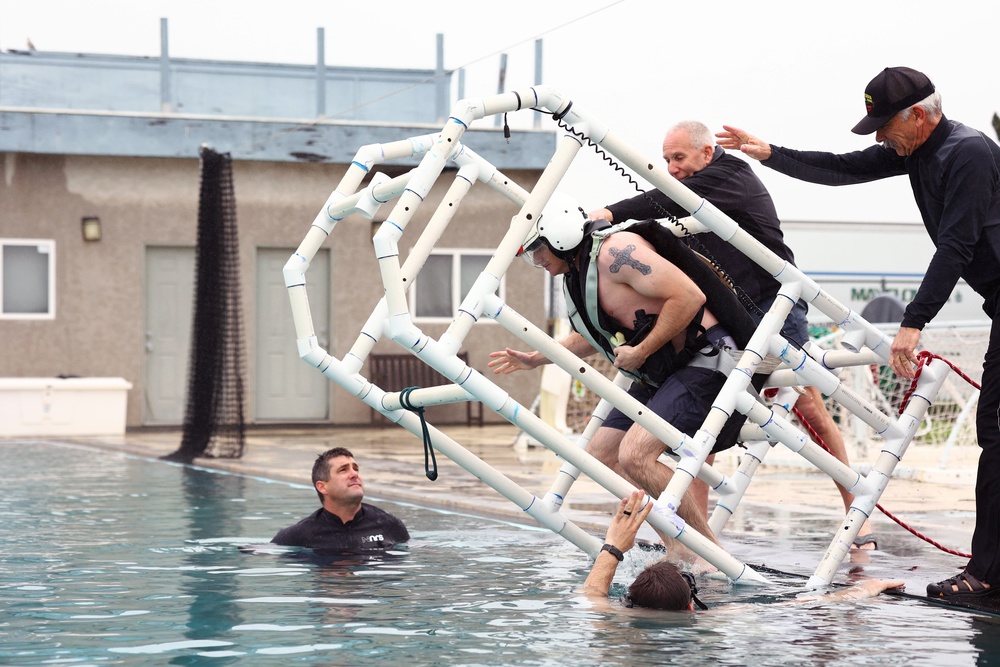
{"x": 370, "y": 529}
{"x": 955, "y": 177}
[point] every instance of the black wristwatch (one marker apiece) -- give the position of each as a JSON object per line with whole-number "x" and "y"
{"x": 614, "y": 551}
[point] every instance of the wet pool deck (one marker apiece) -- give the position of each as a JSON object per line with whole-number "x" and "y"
{"x": 936, "y": 500}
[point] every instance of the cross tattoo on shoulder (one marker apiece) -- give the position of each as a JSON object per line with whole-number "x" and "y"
{"x": 624, "y": 257}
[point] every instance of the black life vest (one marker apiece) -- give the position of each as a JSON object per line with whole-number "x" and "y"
{"x": 580, "y": 290}
{"x": 594, "y": 324}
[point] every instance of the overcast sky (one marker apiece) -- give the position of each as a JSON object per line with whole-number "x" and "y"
{"x": 793, "y": 73}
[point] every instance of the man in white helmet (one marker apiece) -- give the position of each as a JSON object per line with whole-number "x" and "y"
{"x": 639, "y": 296}
{"x": 731, "y": 186}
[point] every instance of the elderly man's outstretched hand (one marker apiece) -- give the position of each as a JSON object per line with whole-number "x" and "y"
{"x": 735, "y": 139}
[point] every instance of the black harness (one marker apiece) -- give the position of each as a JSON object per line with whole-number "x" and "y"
{"x": 580, "y": 289}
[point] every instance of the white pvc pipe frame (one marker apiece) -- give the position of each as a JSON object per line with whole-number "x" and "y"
{"x": 864, "y": 343}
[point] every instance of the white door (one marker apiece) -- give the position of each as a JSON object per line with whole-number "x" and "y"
{"x": 289, "y": 389}
{"x": 168, "y": 306}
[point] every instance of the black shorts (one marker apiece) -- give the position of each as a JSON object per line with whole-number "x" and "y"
{"x": 796, "y": 326}
{"x": 684, "y": 400}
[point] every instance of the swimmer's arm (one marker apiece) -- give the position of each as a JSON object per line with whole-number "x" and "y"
{"x": 621, "y": 534}
{"x": 866, "y": 589}
{"x": 598, "y": 582}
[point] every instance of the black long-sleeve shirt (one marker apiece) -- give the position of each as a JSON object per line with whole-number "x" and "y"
{"x": 729, "y": 183}
{"x": 955, "y": 177}
{"x": 370, "y": 529}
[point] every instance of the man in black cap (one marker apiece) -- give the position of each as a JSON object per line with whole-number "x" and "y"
{"x": 954, "y": 171}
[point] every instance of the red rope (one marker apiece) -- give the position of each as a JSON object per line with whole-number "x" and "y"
{"x": 819, "y": 441}
{"x": 923, "y": 359}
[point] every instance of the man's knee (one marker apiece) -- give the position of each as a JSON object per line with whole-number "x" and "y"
{"x": 636, "y": 454}
{"x": 604, "y": 446}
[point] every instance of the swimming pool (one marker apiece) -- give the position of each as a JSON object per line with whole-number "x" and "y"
{"x": 113, "y": 559}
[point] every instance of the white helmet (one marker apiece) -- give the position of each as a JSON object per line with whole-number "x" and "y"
{"x": 560, "y": 225}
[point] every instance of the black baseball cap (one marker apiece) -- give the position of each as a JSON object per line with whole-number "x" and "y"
{"x": 892, "y": 90}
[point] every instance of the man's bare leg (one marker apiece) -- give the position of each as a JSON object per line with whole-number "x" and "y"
{"x": 637, "y": 456}
{"x": 604, "y": 446}
{"x": 813, "y": 409}
{"x": 699, "y": 489}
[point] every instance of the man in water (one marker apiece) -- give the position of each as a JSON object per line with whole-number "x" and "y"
{"x": 661, "y": 585}
{"x": 343, "y": 523}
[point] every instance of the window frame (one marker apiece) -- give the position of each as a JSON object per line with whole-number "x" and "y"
{"x": 456, "y": 282}
{"x": 50, "y": 246}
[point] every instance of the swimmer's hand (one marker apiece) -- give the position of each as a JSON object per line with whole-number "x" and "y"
{"x": 868, "y": 588}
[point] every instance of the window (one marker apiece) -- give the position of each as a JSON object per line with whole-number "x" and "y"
{"x": 27, "y": 279}
{"x": 445, "y": 280}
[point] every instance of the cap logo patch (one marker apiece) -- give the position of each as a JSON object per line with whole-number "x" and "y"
{"x": 868, "y": 103}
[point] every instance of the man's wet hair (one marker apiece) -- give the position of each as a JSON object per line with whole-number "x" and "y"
{"x": 321, "y": 468}
{"x": 661, "y": 586}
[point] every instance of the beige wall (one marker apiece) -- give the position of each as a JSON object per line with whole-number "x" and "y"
{"x": 98, "y": 329}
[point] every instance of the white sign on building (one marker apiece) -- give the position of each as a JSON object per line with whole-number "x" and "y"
{"x": 856, "y": 262}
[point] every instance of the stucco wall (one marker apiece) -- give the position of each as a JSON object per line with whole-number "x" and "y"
{"x": 98, "y": 329}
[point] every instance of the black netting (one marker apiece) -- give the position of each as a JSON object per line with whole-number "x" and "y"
{"x": 213, "y": 419}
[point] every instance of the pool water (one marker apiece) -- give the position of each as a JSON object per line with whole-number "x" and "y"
{"x": 110, "y": 559}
